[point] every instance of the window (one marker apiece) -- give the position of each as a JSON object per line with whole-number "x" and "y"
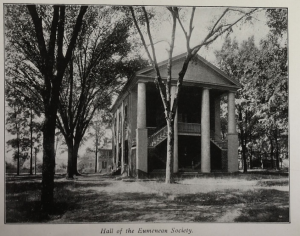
{"x": 104, "y": 164}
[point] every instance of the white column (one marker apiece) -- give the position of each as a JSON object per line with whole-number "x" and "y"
{"x": 122, "y": 137}
{"x": 117, "y": 141}
{"x": 217, "y": 118}
{"x": 231, "y": 113}
{"x": 232, "y": 164}
{"x": 141, "y": 106}
{"x": 175, "y": 166}
{"x": 113, "y": 141}
{"x": 205, "y": 132}
{"x": 141, "y": 132}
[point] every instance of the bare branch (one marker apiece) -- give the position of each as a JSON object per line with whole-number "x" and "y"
{"x": 60, "y": 35}
{"x": 191, "y": 21}
{"x": 217, "y": 22}
{"x": 150, "y": 36}
{"x": 75, "y": 33}
{"x": 37, "y": 21}
{"x": 209, "y": 39}
{"x": 52, "y": 40}
{"x": 169, "y": 66}
{"x": 140, "y": 33}
{"x": 159, "y": 41}
{"x": 158, "y": 79}
{"x": 187, "y": 35}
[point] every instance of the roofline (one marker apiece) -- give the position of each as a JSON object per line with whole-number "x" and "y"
{"x": 125, "y": 89}
{"x": 161, "y": 63}
{"x": 149, "y": 68}
{"x": 131, "y": 82}
{"x": 219, "y": 71}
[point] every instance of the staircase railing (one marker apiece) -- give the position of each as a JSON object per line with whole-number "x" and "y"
{"x": 158, "y": 137}
{"x": 217, "y": 140}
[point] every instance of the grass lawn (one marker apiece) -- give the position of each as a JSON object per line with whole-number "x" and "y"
{"x": 96, "y": 198}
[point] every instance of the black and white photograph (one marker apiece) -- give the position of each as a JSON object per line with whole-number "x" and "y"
{"x": 160, "y": 118}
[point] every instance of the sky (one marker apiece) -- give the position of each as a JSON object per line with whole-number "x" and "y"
{"x": 204, "y": 17}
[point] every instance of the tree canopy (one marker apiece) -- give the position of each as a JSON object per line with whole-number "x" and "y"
{"x": 262, "y": 102}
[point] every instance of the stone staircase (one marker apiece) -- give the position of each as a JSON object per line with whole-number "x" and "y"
{"x": 158, "y": 137}
{"x": 222, "y": 144}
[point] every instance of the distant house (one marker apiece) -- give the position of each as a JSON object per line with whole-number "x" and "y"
{"x": 104, "y": 163}
{"x": 105, "y": 160}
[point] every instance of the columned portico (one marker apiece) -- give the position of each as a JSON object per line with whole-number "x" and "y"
{"x": 198, "y": 143}
{"x": 205, "y": 132}
{"x": 232, "y": 135}
{"x": 141, "y": 131}
{"x": 175, "y": 166}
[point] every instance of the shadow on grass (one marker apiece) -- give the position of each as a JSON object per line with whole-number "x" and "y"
{"x": 83, "y": 201}
{"x": 229, "y": 197}
{"x": 256, "y": 206}
{"x": 273, "y": 183}
{"x": 23, "y": 199}
{"x": 265, "y": 214}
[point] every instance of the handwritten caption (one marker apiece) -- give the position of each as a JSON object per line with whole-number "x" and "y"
{"x": 120, "y": 231}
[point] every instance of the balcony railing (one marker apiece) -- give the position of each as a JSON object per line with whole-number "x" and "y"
{"x": 189, "y": 128}
{"x": 183, "y": 128}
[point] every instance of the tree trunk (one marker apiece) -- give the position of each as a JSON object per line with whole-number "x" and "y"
{"x": 31, "y": 131}
{"x": 251, "y": 166}
{"x": 277, "y": 159}
{"x": 48, "y": 162}
{"x": 75, "y": 155}
{"x": 70, "y": 172}
{"x": 96, "y": 153}
{"x": 18, "y": 153}
{"x": 277, "y": 154}
{"x": 18, "y": 161}
{"x": 272, "y": 153}
{"x": 170, "y": 152}
{"x": 35, "y": 162}
{"x": 52, "y": 87}
{"x": 244, "y": 157}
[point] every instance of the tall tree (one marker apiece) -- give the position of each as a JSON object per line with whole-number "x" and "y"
{"x": 16, "y": 125}
{"x": 238, "y": 61}
{"x": 274, "y": 76}
{"x": 262, "y": 104}
{"x": 222, "y": 25}
{"x": 97, "y": 132}
{"x": 22, "y": 123}
{"x": 95, "y": 73}
{"x": 37, "y": 34}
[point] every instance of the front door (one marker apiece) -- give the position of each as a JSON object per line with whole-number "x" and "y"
{"x": 189, "y": 152}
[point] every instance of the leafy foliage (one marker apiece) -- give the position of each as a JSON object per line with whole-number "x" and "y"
{"x": 40, "y": 40}
{"x": 262, "y": 103}
{"x": 100, "y": 64}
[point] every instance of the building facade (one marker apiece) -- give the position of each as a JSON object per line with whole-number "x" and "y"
{"x": 104, "y": 162}
{"x": 139, "y": 126}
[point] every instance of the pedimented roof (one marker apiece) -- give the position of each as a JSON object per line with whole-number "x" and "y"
{"x": 200, "y": 72}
